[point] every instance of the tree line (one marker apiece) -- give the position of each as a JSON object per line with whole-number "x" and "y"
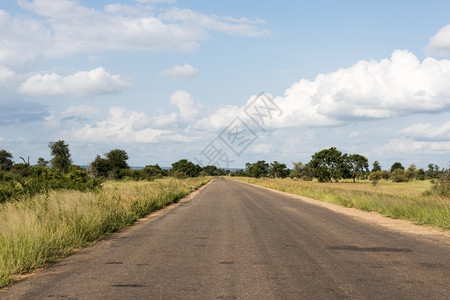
{"x": 327, "y": 165}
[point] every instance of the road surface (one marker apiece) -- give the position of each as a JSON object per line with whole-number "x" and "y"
{"x": 237, "y": 241}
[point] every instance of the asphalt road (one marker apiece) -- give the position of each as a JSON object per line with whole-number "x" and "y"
{"x": 236, "y": 241}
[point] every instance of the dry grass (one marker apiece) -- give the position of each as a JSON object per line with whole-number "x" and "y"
{"x": 396, "y": 200}
{"x": 37, "y": 231}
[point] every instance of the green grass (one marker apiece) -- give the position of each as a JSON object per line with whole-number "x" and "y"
{"x": 406, "y": 201}
{"x": 39, "y": 230}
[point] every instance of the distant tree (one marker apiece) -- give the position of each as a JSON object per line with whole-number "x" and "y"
{"x": 301, "y": 171}
{"x": 398, "y": 175}
{"x": 327, "y": 164}
{"x": 186, "y": 167}
{"x": 118, "y": 159}
{"x": 257, "y": 169}
{"x": 375, "y": 177}
{"x": 100, "y": 167}
{"x": 420, "y": 174}
{"x": 385, "y": 174}
{"x": 376, "y": 166}
{"x": 61, "y": 156}
{"x": 397, "y": 165}
{"x": 6, "y": 162}
{"x": 41, "y": 162}
{"x": 151, "y": 171}
{"x": 278, "y": 170}
{"x": 210, "y": 170}
{"x": 410, "y": 173}
{"x": 357, "y": 164}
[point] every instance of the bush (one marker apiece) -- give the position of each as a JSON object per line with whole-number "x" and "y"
{"x": 399, "y": 175}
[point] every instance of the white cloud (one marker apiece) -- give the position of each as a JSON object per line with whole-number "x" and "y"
{"x": 440, "y": 42}
{"x": 122, "y": 126}
{"x": 62, "y": 28}
{"x": 8, "y": 78}
{"x": 185, "y": 104}
{"x": 184, "y": 71}
{"x": 368, "y": 90}
{"x": 81, "y": 84}
{"x": 427, "y": 132}
{"x": 410, "y": 146}
{"x": 80, "y": 112}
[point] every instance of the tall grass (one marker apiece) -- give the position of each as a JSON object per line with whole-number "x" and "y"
{"x": 407, "y": 200}
{"x": 37, "y": 231}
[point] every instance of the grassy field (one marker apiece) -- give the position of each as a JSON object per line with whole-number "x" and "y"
{"x": 396, "y": 200}
{"x": 39, "y": 230}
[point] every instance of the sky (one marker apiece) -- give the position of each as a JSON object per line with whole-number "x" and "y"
{"x": 226, "y": 82}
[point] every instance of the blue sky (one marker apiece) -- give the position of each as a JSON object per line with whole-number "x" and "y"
{"x": 163, "y": 79}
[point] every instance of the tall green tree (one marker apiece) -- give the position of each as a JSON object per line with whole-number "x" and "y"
{"x": 357, "y": 165}
{"x": 41, "y": 162}
{"x": 61, "y": 156}
{"x": 376, "y": 166}
{"x": 186, "y": 167}
{"x": 397, "y": 165}
{"x": 327, "y": 164}
{"x": 118, "y": 159}
{"x": 257, "y": 169}
{"x": 278, "y": 170}
{"x": 6, "y": 161}
{"x": 100, "y": 167}
{"x": 300, "y": 170}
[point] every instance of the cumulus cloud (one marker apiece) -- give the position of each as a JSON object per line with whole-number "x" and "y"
{"x": 81, "y": 84}
{"x": 440, "y": 42}
{"x": 410, "y": 146}
{"x": 121, "y": 126}
{"x": 401, "y": 85}
{"x": 184, "y": 71}
{"x": 185, "y": 104}
{"x": 63, "y": 28}
{"x": 427, "y": 132}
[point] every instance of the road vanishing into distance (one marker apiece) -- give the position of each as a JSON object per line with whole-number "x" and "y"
{"x": 237, "y": 241}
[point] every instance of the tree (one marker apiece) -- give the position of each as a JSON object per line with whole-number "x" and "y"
{"x": 399, "y": 175}
{"x": 41, "y": 162}
{"x": 376, "y": 166}
{"x": 420, "y": 174}
{"x": 411, "y": 172}
{"x": 357, "y": 164}
{"x": 118, "y": 159}
{"x": 257, "y": 169}
{"x": 375, "y": 177}
{"x": 278, "y": 170}
{"x": 6, "y": 162}
{"x": 300, "y": 170}
{"x": 61, "y": 156}
{"x": 397, "y": 165}
{"x": 151, "y": 171}
{"x": 327, "y": 164}
{"x": 210, "y": 170}
{"x": 100, "y": 167}
{"x": 186, "y": 167}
